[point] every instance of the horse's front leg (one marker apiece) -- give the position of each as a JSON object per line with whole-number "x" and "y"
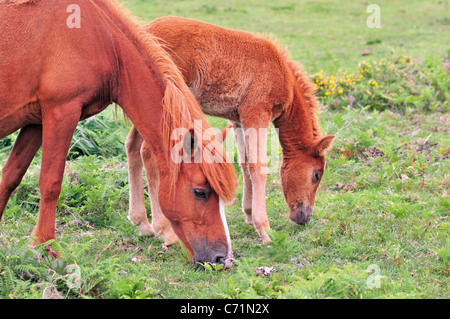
{"x": 58, "y": 126}
{"x": 27, "y": 144}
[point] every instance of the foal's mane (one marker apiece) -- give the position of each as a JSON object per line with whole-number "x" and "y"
{"x": 306, "y": 87}
{"x": 309, "y": 95}
{"x": 180, "y": 108}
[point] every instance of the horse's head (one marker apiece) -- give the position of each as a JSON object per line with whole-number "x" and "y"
{"x": 197, "y": 215}
{"x": 300, "y": 177}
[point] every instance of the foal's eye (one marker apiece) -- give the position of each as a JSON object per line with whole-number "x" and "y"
{"x": 201, "y": 193}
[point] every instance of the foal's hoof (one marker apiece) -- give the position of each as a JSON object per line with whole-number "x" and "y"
{"x": 248, "y": 216}
{"x": 169, "y": 237}
{"x": 266, "y": 240}
{"x": 170, "y": 241}
{"x": 145, "y": 229}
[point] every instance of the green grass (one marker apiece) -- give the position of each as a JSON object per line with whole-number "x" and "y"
{"x": 322, "y": 34}
{"x": 383, "y": 203}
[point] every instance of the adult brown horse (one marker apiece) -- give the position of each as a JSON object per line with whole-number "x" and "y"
{"x": 248, "y": 80}
{"x": 56, "y": 71}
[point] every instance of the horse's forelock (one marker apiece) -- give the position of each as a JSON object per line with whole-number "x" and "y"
{"x": 220, "y": 174}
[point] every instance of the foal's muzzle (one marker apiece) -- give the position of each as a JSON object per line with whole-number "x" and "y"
{"x": 302, "y": 214}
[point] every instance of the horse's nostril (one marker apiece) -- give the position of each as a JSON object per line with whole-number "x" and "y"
{"x": 220, "y": 260}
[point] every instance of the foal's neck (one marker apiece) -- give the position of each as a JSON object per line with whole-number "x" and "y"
{"x": 295, "y": 127}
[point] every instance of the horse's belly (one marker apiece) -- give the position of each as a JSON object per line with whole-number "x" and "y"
{"x": 23, "y": 116}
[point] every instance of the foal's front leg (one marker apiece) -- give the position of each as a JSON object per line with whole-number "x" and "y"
{"x": 257, "y": 167}
{"x": 247, "y": 183}
{"x": 137, "y": 213}
{"x": 160, "y": 224}
{"x": 58, "y": 126}
{"x": 27, "y": 144}
{"x": 137, "y": 154}
{"x": 254, "y": 137}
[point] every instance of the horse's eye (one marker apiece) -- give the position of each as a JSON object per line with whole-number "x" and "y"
{"x": 317, "y": 176}
{"x": 201, "y": 193}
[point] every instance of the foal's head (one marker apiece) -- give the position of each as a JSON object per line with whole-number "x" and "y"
{"x": 300, "y": 177}
{"x": 198, "y": 215}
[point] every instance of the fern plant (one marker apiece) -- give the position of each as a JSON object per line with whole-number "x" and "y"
{"x": 100, "y": 136}
{"x": 17, "y": 273}
{"x": 281, "y": 248}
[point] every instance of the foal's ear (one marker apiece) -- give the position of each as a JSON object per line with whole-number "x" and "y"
{"x": 324, "y": 145}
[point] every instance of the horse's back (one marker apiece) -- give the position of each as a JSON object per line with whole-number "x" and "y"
{"x": 43, "y": 60}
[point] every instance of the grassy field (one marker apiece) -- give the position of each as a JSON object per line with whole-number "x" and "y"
{"x": 381, "y": 224}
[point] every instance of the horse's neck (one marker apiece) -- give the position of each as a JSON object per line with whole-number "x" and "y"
{"x": 140, "y": 94}
{"x": 295, "y": 128}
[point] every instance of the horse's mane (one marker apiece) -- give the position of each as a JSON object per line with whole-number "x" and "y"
{"x": 180, "y": 108}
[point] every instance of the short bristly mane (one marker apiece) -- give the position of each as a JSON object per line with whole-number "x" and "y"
{"x": 309, "y": 94}
{"x": 308, "y": 91}
{"x": 304, "y": 83}
{"x": 180, "y": 108}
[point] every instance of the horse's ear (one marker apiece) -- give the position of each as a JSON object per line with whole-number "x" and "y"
{"x": 222, "y": 135}
{"x": 324, "y": 145}
{"x": 189, "y": 142}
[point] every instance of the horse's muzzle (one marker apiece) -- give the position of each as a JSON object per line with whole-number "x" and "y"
{"x": 301, "y": 215}
{"x": 214, "y": 254}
